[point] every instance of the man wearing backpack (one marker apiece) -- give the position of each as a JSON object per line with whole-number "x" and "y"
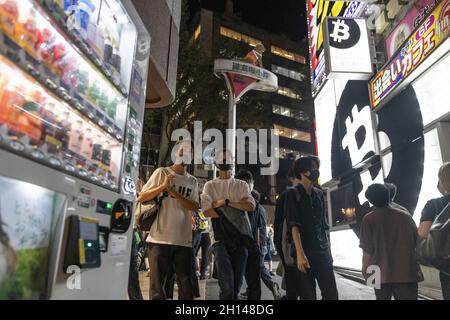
{"x": 170, "y": 235}
{"x": 230, "y": 247}
{"x": 305, "y": 220}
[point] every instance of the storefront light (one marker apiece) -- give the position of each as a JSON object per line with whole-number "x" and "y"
{"x": 432, "y": 91}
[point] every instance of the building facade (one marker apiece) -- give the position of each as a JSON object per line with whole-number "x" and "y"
{"x": 394, "y": 126}
{"x": 291, "y": 107}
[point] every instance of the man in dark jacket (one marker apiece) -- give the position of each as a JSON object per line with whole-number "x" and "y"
{"x": 388, "y": 239}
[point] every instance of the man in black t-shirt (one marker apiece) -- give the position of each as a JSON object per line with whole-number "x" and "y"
{"x": 305, "y": 216}
{"x": 429, "y": 213}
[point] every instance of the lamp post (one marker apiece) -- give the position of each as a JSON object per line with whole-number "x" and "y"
{"x": 240, "y": 78}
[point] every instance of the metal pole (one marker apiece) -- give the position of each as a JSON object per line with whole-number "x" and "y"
{"x": 232, "y": 126}
{"x": 231, "y": 132}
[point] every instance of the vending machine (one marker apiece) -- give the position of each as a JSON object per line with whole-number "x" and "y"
{"x": 73, "y": 77}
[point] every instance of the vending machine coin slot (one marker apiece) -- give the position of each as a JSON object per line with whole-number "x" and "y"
{"x": 121, "y": 216}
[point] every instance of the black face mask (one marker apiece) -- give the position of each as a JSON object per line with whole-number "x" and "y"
{"x": 224, "y": 167}
{"x": 315, "y": 174}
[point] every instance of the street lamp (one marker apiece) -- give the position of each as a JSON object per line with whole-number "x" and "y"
{"x": 240, "y": 78}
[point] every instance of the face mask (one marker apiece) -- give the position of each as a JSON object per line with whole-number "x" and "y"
{"x": 181, "y": 161}
{"x": 314, "y": 175}
{"x": 251, "y": 185}
{"x": 224, "y": 167}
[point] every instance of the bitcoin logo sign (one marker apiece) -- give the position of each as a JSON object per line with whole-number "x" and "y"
{"x": 344, "y": 33}
{"x": 340, "y": 31}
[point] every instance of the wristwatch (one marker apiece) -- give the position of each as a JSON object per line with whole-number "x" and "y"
{"x": 227, "y": 202}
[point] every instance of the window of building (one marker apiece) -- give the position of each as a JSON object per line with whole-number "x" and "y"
{"x": 285, "y": 153}
{"x": 288, "y": 73}
{"x": 288, "y": 55}
{"x": 288, "y": 92}
{"x": 239, "y": 36}
{"x": 291, "y": 113}
{"x": 292, "y": 133}
{"x": 197, "y": 32}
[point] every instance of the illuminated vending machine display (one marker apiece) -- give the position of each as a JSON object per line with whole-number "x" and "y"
{"x": 72, "y": 92}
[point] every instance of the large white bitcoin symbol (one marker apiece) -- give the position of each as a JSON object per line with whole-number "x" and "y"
{"x": 340, "y": 31}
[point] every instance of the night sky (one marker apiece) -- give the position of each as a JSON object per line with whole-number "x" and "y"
{"x": 279, "y": 16}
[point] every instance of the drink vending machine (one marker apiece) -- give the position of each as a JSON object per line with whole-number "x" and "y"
{"x": 73, "y": 77}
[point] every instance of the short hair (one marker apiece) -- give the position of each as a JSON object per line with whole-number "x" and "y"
{"x": 378, "y": 195}
{"x": 316, "y": 160}
{"x": 245, "y": 175}
{"x": 302, "y": 165}
{"x": 444, "y": 176}
{"x": 392, "y": 190}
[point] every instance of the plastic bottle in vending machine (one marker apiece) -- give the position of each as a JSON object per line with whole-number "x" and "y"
{"x": 86, "y": 9}
{"x": 65, "y": 128}
{"x": 88, "y": 143}
{"x": 11, "y": 100}
{"x": 112, "y": 107}
{"x": 83, "y": 81}
{"x": 9, "y": 17}
{"x": 27, "y": 32}
{"x": 76, "y": 137}
{"x": 29, "y": 120}
{"x": 108, "y": 50}
{"x": 103, "y": 100}
{"x": 106, "y": 154}
{"x": 97, "y": 149}
{"x": 116, "y": 60}
{"x": 49, "y": 129}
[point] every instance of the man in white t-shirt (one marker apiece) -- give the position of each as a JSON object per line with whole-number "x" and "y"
{"x": 230, "y": 253}
{"x": 170, "y": 236}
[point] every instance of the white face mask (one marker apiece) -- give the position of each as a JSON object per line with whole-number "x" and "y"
{"x": 251, "y": 185}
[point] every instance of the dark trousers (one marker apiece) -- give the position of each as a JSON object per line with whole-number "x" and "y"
{"x": 134, "y": 290}
{"x": 194, "y": 279}
{"x": 202, "y": 241}
{"x": 445, "y": 284}
{"x": 169, "y": 283}
{"x": 321, "y": 271}
{"x": 230, "y": 270}
{"x": 205, "y": 245}
{"x": 400, "y": 291}
{"x": 253, "y": 274}
{"x": 162, "y": 259}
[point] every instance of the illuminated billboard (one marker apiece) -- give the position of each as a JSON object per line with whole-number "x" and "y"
{"x": 318, "y": 10}
{"x": 419, "y": 46}
{"x": 405, "y": 27}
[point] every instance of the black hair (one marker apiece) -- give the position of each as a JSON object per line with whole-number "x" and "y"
{"x": 392, "y": 190}
{"x": 378, "y": 195}
{"x": 290, "y": 173}
{"x": 302, "y": 165}
{"x": 245, "y": 175}
{"x": 316, "y": 160}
